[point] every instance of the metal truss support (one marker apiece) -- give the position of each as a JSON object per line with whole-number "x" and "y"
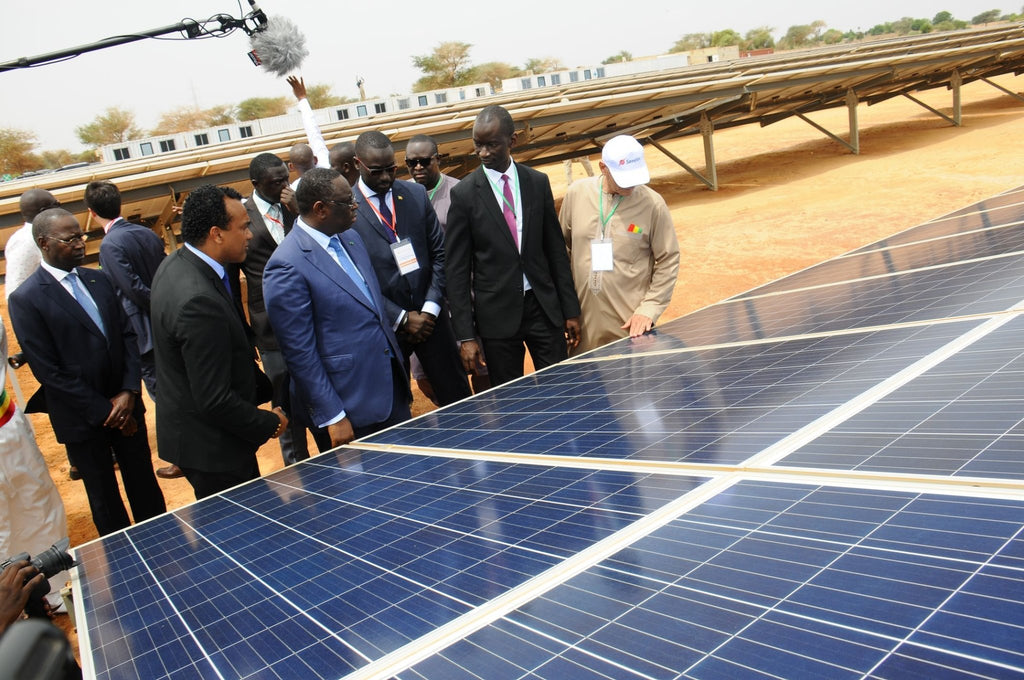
{"x": 954, "y": 84}
{"x": 851, "y": 105}
{"x": 1003, "y": 89}
{"x": 707, "y": 129}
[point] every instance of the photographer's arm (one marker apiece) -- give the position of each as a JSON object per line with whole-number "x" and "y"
{"x": 16, "y": 584}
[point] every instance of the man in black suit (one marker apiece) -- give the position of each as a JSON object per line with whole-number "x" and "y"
{"x": 509, "y": 278}
{"x": 84, "y": 354}
{"x": 406, "y": 246}
{"x": 270, "y": 221}
{"x": 129, "y": 256}
{"x": 208, "y": 422}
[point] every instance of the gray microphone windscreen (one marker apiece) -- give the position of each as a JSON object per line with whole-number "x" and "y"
{"x": 281, "y": 47}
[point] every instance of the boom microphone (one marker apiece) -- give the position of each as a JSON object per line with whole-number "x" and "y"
{"x": 280, "y": 47}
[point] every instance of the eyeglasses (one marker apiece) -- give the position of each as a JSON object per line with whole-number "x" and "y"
{"x": 80, "y": 238}
{"x": 351, "y": 203}
{"x": 377, "y": 172}
{"x": 422, "y": 162}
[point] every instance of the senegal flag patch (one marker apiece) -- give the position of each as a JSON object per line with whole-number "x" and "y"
{"x": 633, "y": 229}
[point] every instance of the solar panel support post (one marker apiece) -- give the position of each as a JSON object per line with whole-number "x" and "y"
{"x": 955, "y": 81}
{"x": 1003, "y": 89}
{"x": 851, "y": 106}
{"x": 707, "y": 131}
{"x": 849, "y": 145}
{"x": 713, "y": 185}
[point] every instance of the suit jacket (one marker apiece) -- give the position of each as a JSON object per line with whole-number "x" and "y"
{"x": 484, "y": 269}
{"x": 416, "y": 221}
{"x": 79, "y": 369}
{"x": 130, "y": 255}
{"x": 260, "y": 248}
{"x": 207, "y": 418}
{"x": 340, "y": 351}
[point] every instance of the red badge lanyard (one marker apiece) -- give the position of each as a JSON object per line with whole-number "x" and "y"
{"x": 393, "y": 224}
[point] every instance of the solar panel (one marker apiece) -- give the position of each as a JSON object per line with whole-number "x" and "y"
{"x": 821, "y": 478}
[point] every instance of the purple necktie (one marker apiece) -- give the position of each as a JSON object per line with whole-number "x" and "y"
{"x": 506, "y": 209}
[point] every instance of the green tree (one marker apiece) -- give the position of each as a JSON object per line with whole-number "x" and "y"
{"x": 113, "y": 125}
{"x": 320, "y": 96}
{"x": 493, "y": 72}
{"x": 691, "y": 41}
{"x": 542, "y": 65}
{"x": 55, "y": 158}
{"x": 942, "y": 17}
{"x": 903, "y": 25}
{"x": 16, "y": 151}
{"x": 987, "y": 17}
{"x": 881, "y": 29}
{"x": 832, "y": 37}
{"x": 725, "y": 38}
{"x": 759, "y": 38}
{"x": 262, "y": 107}
{"x": 621, "y": 56}
{"x": 921, "y": 26}
{"x": 801, "y": 35}
{"x": 447, "y": 66}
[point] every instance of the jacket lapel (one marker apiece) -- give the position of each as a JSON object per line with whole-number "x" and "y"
{"x": 325, "y": 263}
{"x": 68, "y": 303}
{"x": 486, "y": 191}
{"x": 367, "y": 215}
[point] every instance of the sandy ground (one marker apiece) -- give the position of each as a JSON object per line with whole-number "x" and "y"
{"x": 789, "y": 198}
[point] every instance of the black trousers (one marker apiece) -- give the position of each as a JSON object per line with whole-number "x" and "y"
{"x": 545, "y": 341}
{"x": 93, "y": 459}
{"x": 209, "y": 483}
{"x": 439, "y": 356}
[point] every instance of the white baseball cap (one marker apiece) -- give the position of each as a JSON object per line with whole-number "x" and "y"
{"x": 624, "y": 158}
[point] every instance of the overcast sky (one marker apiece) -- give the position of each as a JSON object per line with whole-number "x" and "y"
{"x": 346, "y": 40}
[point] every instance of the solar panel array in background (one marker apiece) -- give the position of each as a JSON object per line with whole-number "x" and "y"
{"x": 823, "y": 477}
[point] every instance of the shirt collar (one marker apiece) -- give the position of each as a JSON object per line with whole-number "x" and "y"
{"x": 218, "y": 268}
{"x": 321, "y": 238}
{"x": 264, "y": 207}
{"x": 58, "y": 274}
{"x": 495, "y": 175}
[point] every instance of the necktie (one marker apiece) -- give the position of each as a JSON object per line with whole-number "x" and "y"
{"x": 342, "y": 257}
{"x": 274, "y": 224}
{"x": 506, "y": 209}
{"x": 385, "y": 213}
{"x": 86, "y": 302}
{"x": 227, "y": 283}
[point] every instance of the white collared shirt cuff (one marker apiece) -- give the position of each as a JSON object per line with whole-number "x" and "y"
{"x": 336, "y": 419}
{"x": 431, "y": 307}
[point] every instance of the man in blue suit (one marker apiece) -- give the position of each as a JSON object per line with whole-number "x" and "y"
{"x": 329, "y": 316}
{"x": 403, "y": 236}
{"x": 83, "y": 352}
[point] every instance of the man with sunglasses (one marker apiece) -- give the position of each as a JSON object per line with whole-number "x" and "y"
{"x": 422, "y": 159}
{"x": 406, "y": 245}
{"x": 84, "y": 354}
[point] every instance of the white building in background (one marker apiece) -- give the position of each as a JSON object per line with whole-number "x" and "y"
{"x": 162, "y": 144}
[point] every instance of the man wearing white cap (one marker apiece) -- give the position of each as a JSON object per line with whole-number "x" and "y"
{"x": 623, "y": 247}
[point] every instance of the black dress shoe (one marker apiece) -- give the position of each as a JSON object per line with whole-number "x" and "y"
{"x": 73, "y": 473}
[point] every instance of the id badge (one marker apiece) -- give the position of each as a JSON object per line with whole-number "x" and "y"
{"x": 601, "y": 255}
{"x": 405, "y": 256}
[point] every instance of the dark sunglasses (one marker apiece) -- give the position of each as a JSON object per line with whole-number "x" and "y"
{"x": 421, "y": 162}
{"x": 377, "y": 172}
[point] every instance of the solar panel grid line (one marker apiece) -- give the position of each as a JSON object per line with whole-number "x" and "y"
{"x": 590, "y": 357}
{"x": 781, "y": 600}
{"x": 929, "y": 239}
{"x": 949, "y": 597}
{"x": 854, "y": 406}
{"x": 403, "y": 658}
{"x": 874, "y": 277}
{"x": 87, "y": 660}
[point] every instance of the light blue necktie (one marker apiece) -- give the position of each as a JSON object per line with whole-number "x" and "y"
{"x": 86, "y": 302}
{"x": 341, "y": 255}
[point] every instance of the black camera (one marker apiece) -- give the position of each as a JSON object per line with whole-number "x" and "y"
{"x": 51, "y": 562}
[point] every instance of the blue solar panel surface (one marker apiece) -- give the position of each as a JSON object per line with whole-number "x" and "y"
{"x": 803, "y": 482}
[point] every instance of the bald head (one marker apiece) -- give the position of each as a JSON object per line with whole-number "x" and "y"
{"x": 35, "y": 201}
{"x": 301, "y": 158}
{"x": 343, "y": 159}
